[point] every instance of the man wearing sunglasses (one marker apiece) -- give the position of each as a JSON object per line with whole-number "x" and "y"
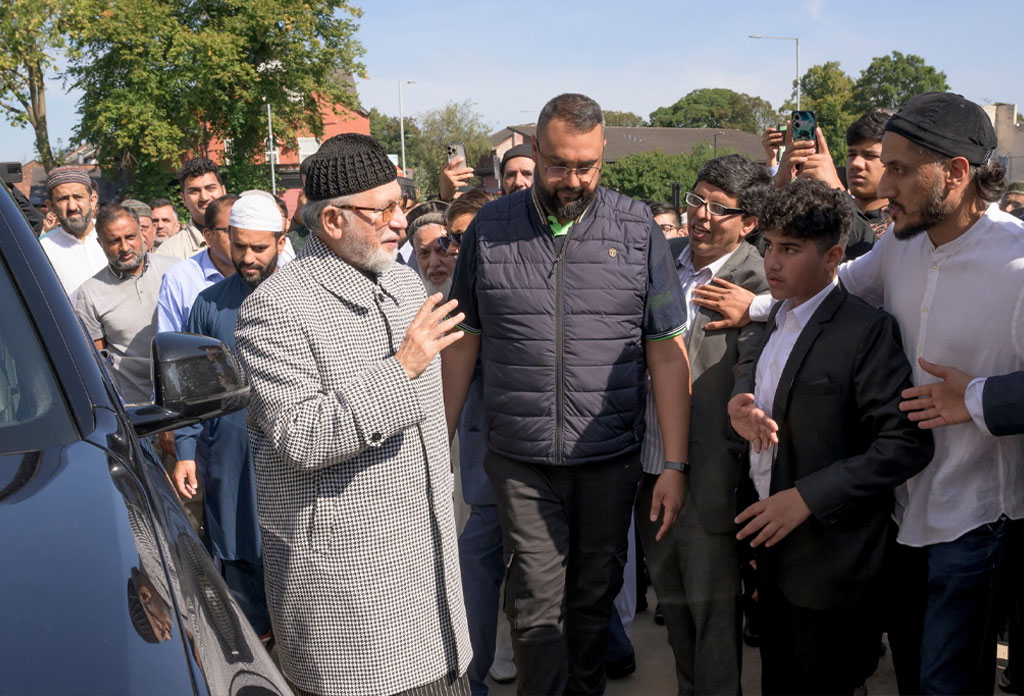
{"x": 569, "y": 295}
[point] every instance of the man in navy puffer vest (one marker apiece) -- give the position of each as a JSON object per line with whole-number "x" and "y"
{"x": 569, "y": 295}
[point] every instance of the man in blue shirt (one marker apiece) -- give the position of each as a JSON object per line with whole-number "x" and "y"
{"x": 221, "y": 446}
{"x": 184, "y": 281}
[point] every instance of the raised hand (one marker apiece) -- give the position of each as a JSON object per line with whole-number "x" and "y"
{"x": 752, "y": 423}
{"x": 428, "y": 334}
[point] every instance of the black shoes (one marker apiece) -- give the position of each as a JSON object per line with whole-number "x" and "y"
{"x": 621, "y": 667}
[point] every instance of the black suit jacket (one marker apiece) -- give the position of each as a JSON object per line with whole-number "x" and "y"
{"x": 716, "y": 452}
{"x": 845, "y": 445}
{"x": 1003, "y": 399}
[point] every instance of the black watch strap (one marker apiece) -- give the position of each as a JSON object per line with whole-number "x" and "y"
{"x": 678, "y": 466}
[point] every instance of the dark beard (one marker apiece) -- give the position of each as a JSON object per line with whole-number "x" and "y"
{"x": 78, "y": 227}
{"x": 569, "y": 211}
{"x": 263, "y": 275}
{"x": 932, "y": 214}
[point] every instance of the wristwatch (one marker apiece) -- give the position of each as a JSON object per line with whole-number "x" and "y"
{"x": 678, "y": 466}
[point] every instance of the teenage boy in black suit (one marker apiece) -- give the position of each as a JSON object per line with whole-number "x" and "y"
{"x": 820, "y": 404}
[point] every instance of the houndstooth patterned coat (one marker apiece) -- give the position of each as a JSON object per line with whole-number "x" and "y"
{"x": 353, "y": 481}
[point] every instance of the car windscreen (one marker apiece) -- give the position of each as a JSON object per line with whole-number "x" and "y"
{"x": 33, "y": 413}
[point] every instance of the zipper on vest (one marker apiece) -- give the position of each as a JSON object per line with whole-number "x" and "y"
{"x": 560, "y": 350}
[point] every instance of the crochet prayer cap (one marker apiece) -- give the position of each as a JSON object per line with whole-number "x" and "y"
{"x": 67, "y": 175}
{"x": 347, "y": 164}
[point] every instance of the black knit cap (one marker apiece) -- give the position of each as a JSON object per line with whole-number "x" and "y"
{"x": 346, "y": 164}
{"x": 947, "y": 123}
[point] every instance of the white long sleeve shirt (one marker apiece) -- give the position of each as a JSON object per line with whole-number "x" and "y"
{"x": 789, "y": 324}
{"x": 962, "y": 305}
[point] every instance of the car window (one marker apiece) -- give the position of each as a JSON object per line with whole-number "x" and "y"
{"x": 33, "y": 414}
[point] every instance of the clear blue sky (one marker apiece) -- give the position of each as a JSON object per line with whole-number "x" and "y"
{"x": 509, "y": 58}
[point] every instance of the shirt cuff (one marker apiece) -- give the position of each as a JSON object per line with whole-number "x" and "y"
{"x": 975, "y": 405}
{"x": 678, "y": 331}
{"x": 761, "y": 307}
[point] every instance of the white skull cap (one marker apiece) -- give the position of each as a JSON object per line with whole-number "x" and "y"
{"x": 256, "y": 210}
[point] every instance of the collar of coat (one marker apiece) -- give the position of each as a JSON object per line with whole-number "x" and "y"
{"x": 345, "y": 281}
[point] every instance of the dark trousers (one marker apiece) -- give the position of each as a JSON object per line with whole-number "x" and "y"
{"x": 245, "y": 581}
{"x": 966, "y": 591}
{"x": 482, "y": 565}
{"x": 697, "y": 578}
{"x": 812, "y": 651}
{"x": 564, "y": 532}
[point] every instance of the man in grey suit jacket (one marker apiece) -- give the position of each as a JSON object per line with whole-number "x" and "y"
{"x": 695, "y": 566}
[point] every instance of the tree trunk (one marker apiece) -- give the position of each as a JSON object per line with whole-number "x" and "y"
{"x": 37, "y": 115}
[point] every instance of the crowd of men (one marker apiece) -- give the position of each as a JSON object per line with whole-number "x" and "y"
{"x": 798, "y": 400}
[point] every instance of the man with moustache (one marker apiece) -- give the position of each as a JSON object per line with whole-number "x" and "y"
{"x": 145, "y": 215}
{"x": 165, "y": 221}
{"x": 220, "y": 448}
{"x": 201, "y": 184}
{"x": 353, "y": 477}
{"x": 187, "y": 279}
{"x": 569, "y": 293}
{"x": 71, "y": 247}
{"x": 516, "y": 168}
{"x": 434, "y": 262}
{"x": 118, "y": 304}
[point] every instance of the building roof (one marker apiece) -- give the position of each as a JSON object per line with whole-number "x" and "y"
{"x": 625, "y": 140}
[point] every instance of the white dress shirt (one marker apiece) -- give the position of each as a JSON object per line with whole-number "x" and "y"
{"x": 75, "y": 260}
{"x": 962, "y": 305}
{"x": 789, "y": 323}
{"x": 652, "y": 452}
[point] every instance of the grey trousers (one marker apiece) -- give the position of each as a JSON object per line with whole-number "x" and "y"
{"x": 697, "y": 579}
{"x": 564, "y": 531}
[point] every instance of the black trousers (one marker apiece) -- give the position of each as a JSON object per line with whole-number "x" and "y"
{"x": 811, "y": 651}
{"x": 564, "y": 531}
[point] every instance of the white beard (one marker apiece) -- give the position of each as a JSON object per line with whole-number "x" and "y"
{"x": 444, "y": 288}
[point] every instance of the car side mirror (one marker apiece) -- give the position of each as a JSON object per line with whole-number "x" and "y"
{"x": 195, "y": 378}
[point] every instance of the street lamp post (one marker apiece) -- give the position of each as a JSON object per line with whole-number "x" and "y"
{"x": 271, "y": 150}
{"x": 788, "y": 38}
{"x": 401, "y": 120}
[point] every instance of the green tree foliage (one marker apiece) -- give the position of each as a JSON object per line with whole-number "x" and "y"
{"x": 623, "y": 118}
{"x": 717, "y": 108}
{"x": 649, "y": 175}
{"x": 30, "y": 39}
{"x": 826, "y": 90}
{"x": 165, "y": 77}
{"x": 386, "y": 129}
{"x": 891, "y": 80}
{"x": 456, "y": 122}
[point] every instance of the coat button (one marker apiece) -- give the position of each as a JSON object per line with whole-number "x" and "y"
{"x": 376, "y": 437}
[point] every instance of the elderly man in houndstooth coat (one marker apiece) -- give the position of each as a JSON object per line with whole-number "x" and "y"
{"x": 353, "y": 480}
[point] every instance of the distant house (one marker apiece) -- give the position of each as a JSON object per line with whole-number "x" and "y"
{"x": 33, "y": 176}
{"x": 625, "y": 140}
{"x": 1010, "y": 134}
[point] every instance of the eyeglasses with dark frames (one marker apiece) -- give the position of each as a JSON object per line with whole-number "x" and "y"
{"x": 584, "y": 174}
{"x": 717, "y": 209}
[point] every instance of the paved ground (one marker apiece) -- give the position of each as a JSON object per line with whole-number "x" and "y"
{"x": 655, "y": 673}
